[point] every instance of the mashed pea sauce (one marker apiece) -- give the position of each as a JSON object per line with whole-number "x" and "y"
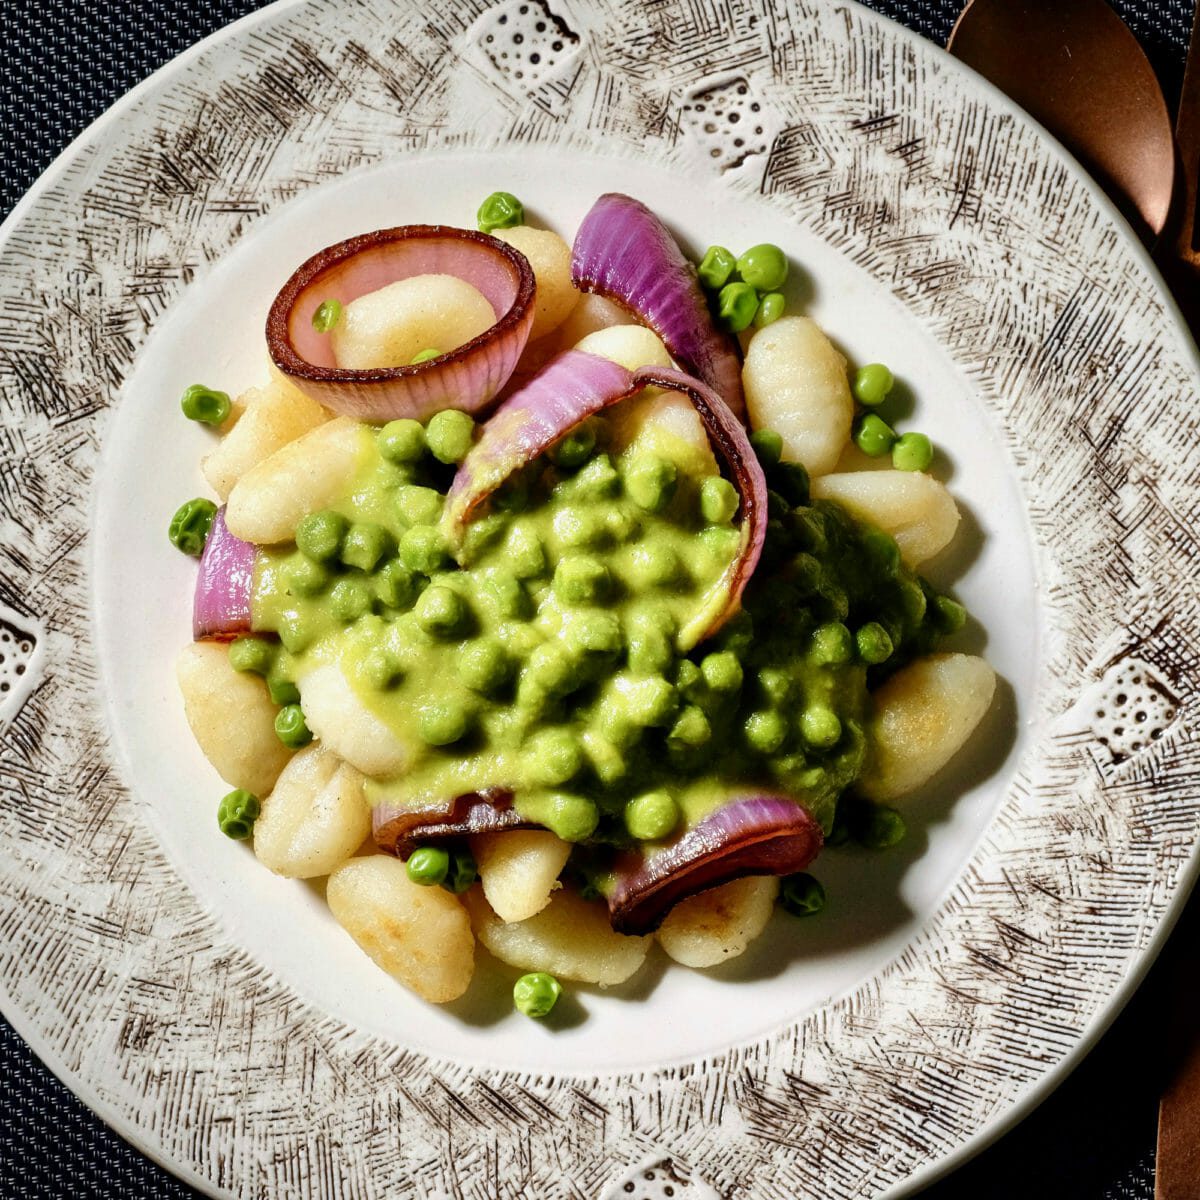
{"x": 548, "y": 658}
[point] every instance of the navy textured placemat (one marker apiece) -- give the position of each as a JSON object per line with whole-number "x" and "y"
{"x": 66, "y": 62}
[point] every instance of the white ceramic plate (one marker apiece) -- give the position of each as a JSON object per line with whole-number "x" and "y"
{"x": 216, "y": 1015}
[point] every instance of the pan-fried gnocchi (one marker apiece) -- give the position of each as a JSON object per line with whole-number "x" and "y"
{"x": 494, "y": 739}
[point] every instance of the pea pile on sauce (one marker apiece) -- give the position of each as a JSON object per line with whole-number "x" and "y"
{"x": 546, "y": 660}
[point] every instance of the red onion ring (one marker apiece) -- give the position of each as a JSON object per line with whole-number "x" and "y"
{"x": 624, "y": 252}
{"x": 221, "y": 604}
{"x": 468, "y": 377}
{"x": 400, "y": 830}
{"x": 575, "y": 386}
{"x": 758, "y": 834}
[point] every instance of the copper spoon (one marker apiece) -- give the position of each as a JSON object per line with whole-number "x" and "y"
{"x": 1076, "y": 68}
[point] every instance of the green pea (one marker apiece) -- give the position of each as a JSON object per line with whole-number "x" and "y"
{"x": 484, "y": 665}
{"x": 691, "y": 727}
{"x": 579, "y": 579}
{"x": 364, "y": 545}
{"x": 873, "y": 435}
{"x": 524, "y": 554}
{"x": 449, "y": 435}
{"x": 205, "y": 404}
{"x": 654, "y": 564}
{"x": 912, "y": 601}
{"x": 592, "y": 633}
{"x": 481, "y": 534}
{"x": 442, "y": 723}
{"x": 573, "y": 818}
{"x": 650, "y": 652}
{"x": 820, "y": 727}
{"x": 380, "y": 669}
{"x": 770, "y": 309}
{"x": 622, "y": 525}
{"x": 575, "y": 448}
{"x": 501, "y": 210}
{"x": 720, "y": 542}
{"x": 462, "y": 872}
{"x": 718, "y": 500}
{"x": 349, "y": 599}
{"x": 423, "y": 549}
{"x": 716, "y": 267}
{"x": 776, "y": 685}
{"x": 424, "y": 356}
{"x": 872, "y": 384}
{"x": 948, "y": 615}
{"x": 513, "y": 496}
{"x": 327, "y": 316}
{"x": 281, "y": 689}
{"x": 651, "y": 816}
{"x": 790, "y": 480}
{"x": 688, "y": 678}
{"x": 550, "y": 670}
{"x": 874, "y": 643}
{"x": 428, "y": 866}
{"x": 189, "y": 526}
{"x": 402, "y": 441}
{"x": 291, "y": 727}
{"x": 597, "y": 480}
{"x": 319, "y": 535}
{"x": 507, "y": 596}
{"x": 295, "y": 633}
{"x": 606, "y": 758}
{"x": 912, "y": 452}
{"x": 307, "y": 577}
{"x": 737, "y": 637}
{"x": 650, "y": 482}
{"x": 536, "y": 994}
{"x": 722, "y": 671}
{"x": 441, "y": 612}
{"x": 765, "y": 731}
{"x": 737, "y": 303}
{"x": 553, "y": 756}
{"x": 881, "y": 827}
{"x": 252, "y": 654}
{"x": 801, "y": 895}
{"x": 764, "y": 267}
{"x": 832, "y": 644}
{"x": 579, "y": 526}
{"x": 883, "y": 551}
{"x": 237, "y": 813}
{"x": 777, "y": 506}
{"x": 768, "y": 445}
{"x": 648, "y": 700}
{"x": 395, "y": 584}
{"x": 418, "y": 505}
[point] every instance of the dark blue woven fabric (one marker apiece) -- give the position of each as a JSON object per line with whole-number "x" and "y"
{"x": 67, "y": 61}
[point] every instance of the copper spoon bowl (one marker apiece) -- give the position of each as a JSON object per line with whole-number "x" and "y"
{"x": 1076, "y": 68}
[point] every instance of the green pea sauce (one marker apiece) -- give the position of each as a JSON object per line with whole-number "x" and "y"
{"x": 557, "y": 656}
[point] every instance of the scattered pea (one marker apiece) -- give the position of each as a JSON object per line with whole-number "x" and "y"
{"x": 688, "y": 678}
{"x": 650, "y": 482}
{"x": 462, "y": 872}
{"x": 650, "y": 651}
{"x": 349, "y": 599}
{"x": 722, "y": 671}
{"x": 737, "y": 303}
{"x": 364, "y": 545}
{"x": 205, "y": 404}
{"x": 402, "y": 441}
{"x": 718, "y": 500}
{"x": 501, "y": 210}
{"x": 801, "y": 895}
{"x": 441, "y": 612}
{"x": 716, "y": 267}
{"x": 449, "y": 435}
{"x": 820, "y": 727}
{"x": 550, "y": 670}
{"x": 281, "y": 689}
{"x": 770, "y": 309}
{"x": 395, "y": 584}
{"x": 307, "y": 577}
{"x": 189, "y": 526}
{"x": 593, "y": 632}
{"x": 775, "y": 684}
{"x": 237, "y": 813}
{"x": 319, "y": 535}
{"x": 873, "y": 435}
{"x": 580, "y": 526}
{"x": 428, "y": 865}
{"x": 691, "y": 727}
{"x": 523, "y": 552}
{"x": 790, "y": 480}
{"x": 654, "y": 564}
{"x": 912, "y": 452}
{"x": 443, "y": 723}
{"x": 484, "y": 666}
{"x": 575, "y": 448}
{"x": 291, "y": 727}
{"x": 424, "y": 356}
{"x": 380, "y": 669}
{"x": 507, "y": 595}
{"x": 872, "y": 384}
{"x": 764, "y": 267}
{"x": 580, "y": 579}
{"x": 949, "y": 616}
{"x": 597, "y": 480}
{"x": 883, "y": 550}
{"x": 874, "y": 643}
{"x": 768, "y": 445}
{"x": 832, "y": 644}
{"x": 881, "y": 827}
{"x": 252, "y": 654}
{"x": 554, "y": 756}
{"x": 536, "y": 994}
{"x": 765, "y": 731}
{"x": 573, "y": 818}
{"x": 327, "y": 315}
{"x": 651, "y": 816}
{"x": 647, "y": 700}
{"x": 423, "y": 549}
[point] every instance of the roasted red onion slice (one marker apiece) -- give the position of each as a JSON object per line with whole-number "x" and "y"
{"x": 624, "y": 252}
{"x": 401, "y": 830}
{"x": 221, "y": 606}
{"x": 467, "y": 377}
{"x": 760, "y": 834}
{"x": 575, "y": 386}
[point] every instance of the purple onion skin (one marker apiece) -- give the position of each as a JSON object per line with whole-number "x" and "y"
{"x": 759, "y": 834}
{"x": 400, "y": 831}
{"x": 624, "y": 252}
{"x": 221, "y": 605}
